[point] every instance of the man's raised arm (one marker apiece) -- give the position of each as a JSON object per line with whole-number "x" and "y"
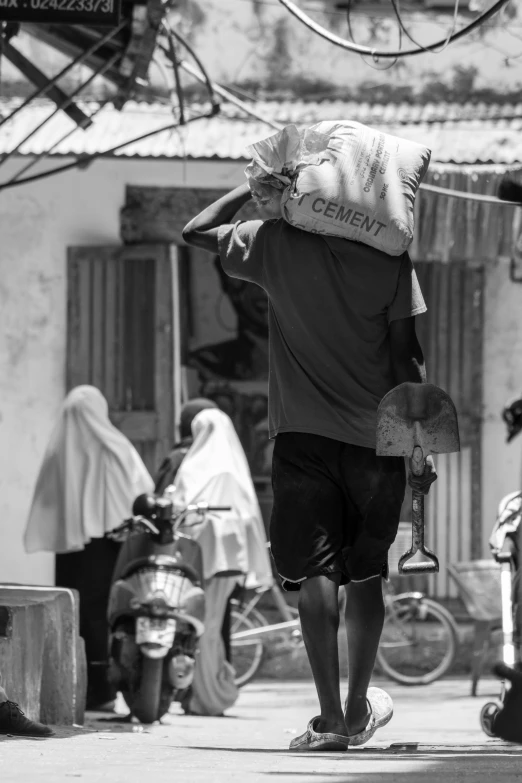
{"x": 202, "y": 231}
{"x": 406, "y": 354}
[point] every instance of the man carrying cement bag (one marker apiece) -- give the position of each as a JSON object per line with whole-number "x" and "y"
{"x": 343, "y": 179}
{"x": 341, "y": 335}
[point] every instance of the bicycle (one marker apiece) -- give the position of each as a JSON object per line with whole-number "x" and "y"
{"x": 418, "y": 644}
{"x": 247, "y": 624}
{"x": 419, "y": 639}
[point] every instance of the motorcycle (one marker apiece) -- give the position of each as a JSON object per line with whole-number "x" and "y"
{"x": 504, "y": 536}
{"x": 156, "y": 605}
{"x": 501, "y": 718}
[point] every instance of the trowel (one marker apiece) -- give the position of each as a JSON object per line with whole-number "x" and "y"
{"x": 415, "y": 420}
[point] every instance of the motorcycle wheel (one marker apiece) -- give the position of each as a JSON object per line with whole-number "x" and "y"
{"x": 146, "y": 707}
{"x": 488, "y": 714}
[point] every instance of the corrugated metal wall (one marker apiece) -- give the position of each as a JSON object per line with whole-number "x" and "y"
{"x": 451, "y": 336}
{"x": 454, "y": 242}
{"x": 449, "y": 229}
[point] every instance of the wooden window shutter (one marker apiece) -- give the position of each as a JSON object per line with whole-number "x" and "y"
{"x": 122, "y": 331}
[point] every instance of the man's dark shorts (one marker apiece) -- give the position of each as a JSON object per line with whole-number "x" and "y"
{"x": 336, "y": 509}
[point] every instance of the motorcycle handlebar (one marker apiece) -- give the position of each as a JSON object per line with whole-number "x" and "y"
{"x": 199, "y": 510}
{"x": 203, "y": 508}
{"x": 132, "y": 526}
{"x": 141, "y": 524}
{"x": 122, "y": 529}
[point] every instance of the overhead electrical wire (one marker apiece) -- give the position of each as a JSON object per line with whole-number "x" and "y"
{"x": 462, "y": 194}
{"x": 72, "y": 64}
{"x": 383, "y": 53}
{"x": 84, "y": 160}
{"x": 434, "y": 16}
{"x": 206, "y": 78}
{"x": 46, "y": 153}
{"x": 70, "y": 99}
{"x": 375, "y": 59}
{"x": 402, "y": 26}
{"x": 175, "y": 69}
{"x": 402, "y": 29}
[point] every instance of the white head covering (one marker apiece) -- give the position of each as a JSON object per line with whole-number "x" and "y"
{"x": 90, "y": 476}
{"x": 216, "y": 470}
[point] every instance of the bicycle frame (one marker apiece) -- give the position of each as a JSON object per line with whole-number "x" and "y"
{"x": 281, "y": 605}
{"x": 405, "y": 633}
{"x": 291, "y": 622}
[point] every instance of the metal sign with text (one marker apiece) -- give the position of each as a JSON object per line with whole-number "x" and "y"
{"x": 91, "y": 12}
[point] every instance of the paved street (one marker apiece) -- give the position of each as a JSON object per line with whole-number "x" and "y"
{"x": 439, "y": 723}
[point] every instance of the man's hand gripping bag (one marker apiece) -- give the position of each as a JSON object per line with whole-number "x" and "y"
{"x": 343, "y": 179}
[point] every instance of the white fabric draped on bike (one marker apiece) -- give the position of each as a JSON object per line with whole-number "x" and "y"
{"x": 216, "y": 471}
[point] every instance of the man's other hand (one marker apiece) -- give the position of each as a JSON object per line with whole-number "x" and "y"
{"x": 422, "y": 484}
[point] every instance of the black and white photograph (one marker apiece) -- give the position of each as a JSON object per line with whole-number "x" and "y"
{"x": 260, "y": 391}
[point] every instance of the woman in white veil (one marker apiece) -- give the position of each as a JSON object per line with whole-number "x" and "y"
{"x": 216, "y": 470}
{"x": 90, "y": 475}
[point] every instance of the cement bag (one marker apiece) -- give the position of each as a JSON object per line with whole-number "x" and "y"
{"x": 343, "y": 179}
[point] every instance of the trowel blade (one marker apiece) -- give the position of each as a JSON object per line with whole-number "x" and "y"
{"x": 417, "y": 414}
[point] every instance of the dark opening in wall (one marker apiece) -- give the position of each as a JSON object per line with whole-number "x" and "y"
{"x": 5, "y": 621}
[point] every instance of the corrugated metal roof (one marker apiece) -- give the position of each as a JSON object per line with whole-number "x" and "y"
{"x": 469, "y": 133}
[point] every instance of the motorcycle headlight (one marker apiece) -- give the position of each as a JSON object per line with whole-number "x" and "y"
{"x": 160, "y": 586}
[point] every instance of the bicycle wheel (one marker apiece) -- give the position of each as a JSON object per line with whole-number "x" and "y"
{"x": 418, "y": 642}
{"x": 247, "y": 654}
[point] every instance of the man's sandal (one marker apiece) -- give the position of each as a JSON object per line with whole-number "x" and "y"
{"x": 381, "y": 713}
{"x": 313, "y": 740}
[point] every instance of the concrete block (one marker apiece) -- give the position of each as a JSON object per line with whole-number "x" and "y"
{"x": 42, "y": 657}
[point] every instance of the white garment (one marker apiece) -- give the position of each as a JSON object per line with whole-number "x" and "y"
{"x": 90, "y": 476}
{"x": 216, "y": 470}
{"x": 213, "y": 689}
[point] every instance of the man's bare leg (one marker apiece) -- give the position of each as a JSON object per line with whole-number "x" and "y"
{"x": 319, "y": 613}
{"x": 364, "y": 621}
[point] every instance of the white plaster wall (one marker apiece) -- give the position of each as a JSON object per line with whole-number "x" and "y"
{"x": 501, "y": 462}
{"x": 37, "y": 223}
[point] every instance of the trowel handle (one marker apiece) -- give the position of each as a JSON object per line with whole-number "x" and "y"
{"x": 417, "y": 543}
{"x": 417, "y": 462}
{"x": 430, "y": 566}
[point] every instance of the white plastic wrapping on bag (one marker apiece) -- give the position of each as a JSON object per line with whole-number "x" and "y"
{"x": 343, "y": 179}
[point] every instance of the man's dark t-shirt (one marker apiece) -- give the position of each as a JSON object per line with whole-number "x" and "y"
{"x": 331, "y": 303}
